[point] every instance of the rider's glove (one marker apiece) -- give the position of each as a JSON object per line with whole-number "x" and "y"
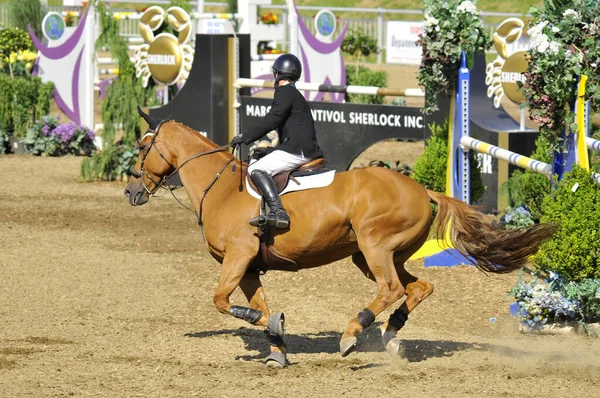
{"x": 237, "y": 140}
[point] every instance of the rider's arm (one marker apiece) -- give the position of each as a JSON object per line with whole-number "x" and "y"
{"x": 279, "y": 112}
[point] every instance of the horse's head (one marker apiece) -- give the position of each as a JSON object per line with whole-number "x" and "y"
{"x": 153, "y": 164}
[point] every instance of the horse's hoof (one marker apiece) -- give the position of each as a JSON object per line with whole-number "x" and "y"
{"x": 347, "y": 345}
{"x": 387, "y": 336}
{"x": 276, "y": 360}
{"x": 276, "y": 324}
{"x": 394, "y": 348}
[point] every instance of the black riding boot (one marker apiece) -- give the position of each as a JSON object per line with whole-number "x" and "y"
{"x": 277, "y": 216}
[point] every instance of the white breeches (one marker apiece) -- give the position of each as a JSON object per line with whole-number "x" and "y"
{"x": 276, "y": 162}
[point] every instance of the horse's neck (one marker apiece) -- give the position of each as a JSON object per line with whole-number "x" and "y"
{"x": 197, "y": 174}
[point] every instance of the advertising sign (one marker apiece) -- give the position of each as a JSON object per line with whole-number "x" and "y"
{"x": 401, "y": 46}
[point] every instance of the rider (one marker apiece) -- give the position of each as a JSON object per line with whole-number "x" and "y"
{"x": 290, "y": 115}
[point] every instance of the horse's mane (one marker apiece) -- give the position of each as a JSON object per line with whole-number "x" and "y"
{"x": 205, "y": 140}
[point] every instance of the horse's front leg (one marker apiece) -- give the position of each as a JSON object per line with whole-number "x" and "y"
{"x": 232, "y": 275}
{"x": 274, "y": 327}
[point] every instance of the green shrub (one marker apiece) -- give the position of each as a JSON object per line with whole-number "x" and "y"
{"x": 22, "y": 101}
{"x": 359, "y": 45}
{"x": 574, "y": 250}
{"x": 526, "y": 188}
{"x": 365, "y": 77}
{"x": 430, "y": 167}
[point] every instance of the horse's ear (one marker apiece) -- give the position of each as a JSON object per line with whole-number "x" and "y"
{"x": 149, "y": 119}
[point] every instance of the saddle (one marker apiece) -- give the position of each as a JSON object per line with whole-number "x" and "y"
{"x": 270, "y": 259}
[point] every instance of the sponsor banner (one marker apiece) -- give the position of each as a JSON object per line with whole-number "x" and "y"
{"x": 401, "y": 47}
{"x": 345, "y": 130}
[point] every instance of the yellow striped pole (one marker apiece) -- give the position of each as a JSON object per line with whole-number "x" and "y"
{"x": 581, "y": 146}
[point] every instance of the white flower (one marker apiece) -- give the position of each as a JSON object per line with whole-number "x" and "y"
{"x": 555, "y": 29}
{"x": 554, "y": 47}
{"x": 571, "y": 13}
{"x": 467, "y": 6}
{"x": 539, "y": 43}
{"x": 536, "y": 30}
{"x": 594, "y": 65}
{"x": 430, "y": 21}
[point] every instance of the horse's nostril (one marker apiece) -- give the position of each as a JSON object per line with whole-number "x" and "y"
{"x": 126, "y": 192}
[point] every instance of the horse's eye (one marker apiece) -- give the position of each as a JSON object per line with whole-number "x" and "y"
{"x": 134, "y": 173}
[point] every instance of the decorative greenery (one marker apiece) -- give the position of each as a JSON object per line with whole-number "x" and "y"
{"x": 430, "y": 167}
{"x": 13, "y": 40}
{"x": 516, "y": 218}
{"x": 24, "y": 12}
{"x": 556, "y": 299}
{"x": 451, "y": 27}
{"x": 48, "y": 137}
{"x": 574, "y": 207}
{"x": 22, "y": 100}
{"x": 359, "y": 45}
{"x": 365, "y": 77}
{"x": 123, "y": 96}
{"x": 528, "y": 189}
{"x": 564, "y": 45}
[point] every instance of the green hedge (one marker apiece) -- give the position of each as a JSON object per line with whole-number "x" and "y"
{"x": 574, "y": 207}
{"x": 23, "y": 100}
{"x": 365, "y": 77}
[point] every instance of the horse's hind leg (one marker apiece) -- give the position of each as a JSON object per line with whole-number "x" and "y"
{"x": 255, "y": 293}
{"x": 381, "y": 265}
{"x": 417, "y": 290}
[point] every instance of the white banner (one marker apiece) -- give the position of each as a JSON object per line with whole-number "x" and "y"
{"x": 401, "y": 47}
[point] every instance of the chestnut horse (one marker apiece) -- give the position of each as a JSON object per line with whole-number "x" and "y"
{"x": 378, "y": 216}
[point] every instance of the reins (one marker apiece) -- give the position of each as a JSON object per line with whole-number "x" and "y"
{"x": 164, "y": 182}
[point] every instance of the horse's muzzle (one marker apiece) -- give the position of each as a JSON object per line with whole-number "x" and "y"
{"x": 136, "y": 193}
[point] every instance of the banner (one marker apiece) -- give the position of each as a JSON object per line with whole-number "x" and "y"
{"x": 345, "y": 130}
{"x": 401, "y": 46}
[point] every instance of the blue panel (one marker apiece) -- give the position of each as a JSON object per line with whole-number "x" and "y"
{"x": 448, "y": 258}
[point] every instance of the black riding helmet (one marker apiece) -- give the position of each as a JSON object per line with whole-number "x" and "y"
{"x": 288, "y": 67}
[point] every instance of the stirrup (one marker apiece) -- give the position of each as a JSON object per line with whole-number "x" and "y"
{"x": 259, "y": 222}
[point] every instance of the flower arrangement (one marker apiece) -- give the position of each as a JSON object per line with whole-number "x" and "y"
{"x": 20, "y": 62}
{"x": 269, "y": 19}
{"x": 48, "y": 137}
{"x": 555, "y": 299}
{"x": 564, "y": 46}
{"x": 13, "y": 41}
{"x": 450, "y": 28}
{"x": 516, "y": 217}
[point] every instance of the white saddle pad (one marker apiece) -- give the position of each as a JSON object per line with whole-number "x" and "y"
{"x": 307, "y": 182}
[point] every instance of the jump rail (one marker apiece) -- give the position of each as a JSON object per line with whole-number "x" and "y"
{"x": 592, "y": 143}
{"x": 509, "y": 156}
{"x": 364, "y": 90}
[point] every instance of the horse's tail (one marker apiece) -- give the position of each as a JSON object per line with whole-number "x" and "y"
{"x": 478, "y": 236}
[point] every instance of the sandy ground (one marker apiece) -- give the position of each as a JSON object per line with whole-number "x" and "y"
{"x": 102, "y": 299}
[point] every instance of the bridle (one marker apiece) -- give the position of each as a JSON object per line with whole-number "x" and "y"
{"x": 164, "y": 182}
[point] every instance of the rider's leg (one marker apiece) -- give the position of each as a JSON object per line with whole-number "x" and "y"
{"x": 261, "y": 173}
{"x": 277, "y": 216}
